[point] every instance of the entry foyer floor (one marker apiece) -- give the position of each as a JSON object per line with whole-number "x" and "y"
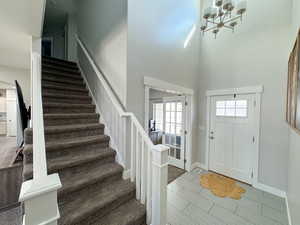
{"x": 190, "y": 204}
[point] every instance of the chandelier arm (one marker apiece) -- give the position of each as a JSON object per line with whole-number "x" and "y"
{"x": 211, "y": 28}
{"x": 232, "y": 19}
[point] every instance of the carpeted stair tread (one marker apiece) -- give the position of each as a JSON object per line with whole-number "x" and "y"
{"x": 50, "y": 107}
{"x": 58, "y": 146}
{"x": 78, "y": 180}
{"x": 61, "y": 80}
{"x": 61, "y": 68}
{"x": 66, "y": 98}
{"x": 56, "y": 72}
{"x": 64, "y": 162}
{"x": 67, "y": 132}
{"x": 52, "y": 86}
{"x": 70, "y": 115}
{"x": 61, "y": 75}
{"x": 58, "y": 61}
{"x": 130, "y": 213}
{"x": 95, "y": 201}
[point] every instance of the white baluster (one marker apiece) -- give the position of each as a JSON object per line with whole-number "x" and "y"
{"x": 138, "y": 166}
{"x": 132, "y": 154}
{"x": 143, "y": 173}
{"x": 149, "y": 185}
{"x": 159, "y": 184}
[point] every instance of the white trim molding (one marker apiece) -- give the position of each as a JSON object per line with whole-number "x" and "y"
{"x": 269, "y": 189}
{"x": 198, "y": 165}
{"x": 166, "y": 86}
{"x": 288, "y": 209}
{"x": 242, "y": 90}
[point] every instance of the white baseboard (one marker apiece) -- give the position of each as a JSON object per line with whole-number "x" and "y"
{"x": 198, "y": 165}
{"x": 126, "y": 174}
{"x": 288, "y": 209}
{"x": 270, "y": 189}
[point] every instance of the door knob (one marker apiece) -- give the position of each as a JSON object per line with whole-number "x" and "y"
{"x": 211, "y": 137}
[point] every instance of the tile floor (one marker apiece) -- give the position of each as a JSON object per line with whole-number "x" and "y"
{"x": 189, "y": 204}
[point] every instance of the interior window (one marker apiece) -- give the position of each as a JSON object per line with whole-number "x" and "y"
{"x": 232, "y": 108}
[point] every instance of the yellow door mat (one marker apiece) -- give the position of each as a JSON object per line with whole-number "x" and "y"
{"x": 221, "y": 186}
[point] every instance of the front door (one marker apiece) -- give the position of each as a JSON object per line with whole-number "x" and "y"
{"x": 232, "y": 136}
{"x": 174, "y": 129}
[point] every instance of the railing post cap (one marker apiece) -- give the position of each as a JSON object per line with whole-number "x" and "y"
{"x": 160, "y": 148}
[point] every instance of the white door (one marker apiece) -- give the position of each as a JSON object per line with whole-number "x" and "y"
{"x": 11, "y": 107}
{"x": 232, "y": 136}
{"x": 174, "y": 129}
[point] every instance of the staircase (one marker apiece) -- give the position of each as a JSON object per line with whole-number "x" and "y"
{"x": 93, "y": 191}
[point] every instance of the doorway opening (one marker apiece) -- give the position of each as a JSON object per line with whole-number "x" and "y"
{"x": 168, "y": 113}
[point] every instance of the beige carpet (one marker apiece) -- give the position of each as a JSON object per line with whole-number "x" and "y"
{"x": 221, "y": 186}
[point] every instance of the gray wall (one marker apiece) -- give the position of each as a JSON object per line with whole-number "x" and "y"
{"x": 157, "y": 31}
{"x": 294, "y": 149}
{"x": 102, "y": 26}
{"x": 256, "y": 54}
{"x": 72, "y": 32}
{"x": 58, "y": 35}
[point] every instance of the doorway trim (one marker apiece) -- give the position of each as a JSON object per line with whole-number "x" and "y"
{"x": 257, "y": 90}
{"x": 157, "y": 84}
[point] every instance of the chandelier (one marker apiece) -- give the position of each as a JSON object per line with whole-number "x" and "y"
{"x": 222, "y": 15}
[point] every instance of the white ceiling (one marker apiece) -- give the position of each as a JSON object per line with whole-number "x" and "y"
{"x": 19, "y": 20}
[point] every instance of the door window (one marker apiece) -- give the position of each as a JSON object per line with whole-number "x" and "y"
{"x": 232, "y": 108}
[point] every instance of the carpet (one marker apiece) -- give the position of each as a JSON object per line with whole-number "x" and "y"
{"x": 221, "y": 186}
{"x": 174, "y": 172}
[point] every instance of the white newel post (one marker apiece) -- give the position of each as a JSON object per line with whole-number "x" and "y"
{"x": 39, "y": 194}
{"x": 159, "y": 184}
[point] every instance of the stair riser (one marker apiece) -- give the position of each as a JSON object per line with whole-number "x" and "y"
{"x": 61, "y": 73}
{"x": 68, "y": 134}
{"x": 65, "y": 121}
{"x": 64, "y": 84}
{"x": 68, "y": 109}
{"x": 64, "y": 92}
{"x": 59, "y": 64}
{"x": 70, "y": 151}
{"x": 67, "y": 100}
{"x": 64, "y": 197}
{"x": 60, "y": 69}
{"x": 62, "y": 77}
{"x": 78, "y": 167}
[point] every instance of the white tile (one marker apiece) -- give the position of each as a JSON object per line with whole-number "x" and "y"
{"x": 274, "y": 214}
{"x": 175, "y": 217}
{"x": 177, "y": 201}
{"x": 228, "y": 217}
{"x": 188, "y": 185}
{"x": 254, "y": 218}
{"x": 251, "y": 205}
{"x": 198, "y": 214}
{"x": 226, "y": 203}
{"x": 273, "y": 201}
{"x": 197, "y": 199}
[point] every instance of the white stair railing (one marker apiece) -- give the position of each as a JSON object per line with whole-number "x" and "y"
{"x": 39, "y": 194}
{"x": 148, "y": 163}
